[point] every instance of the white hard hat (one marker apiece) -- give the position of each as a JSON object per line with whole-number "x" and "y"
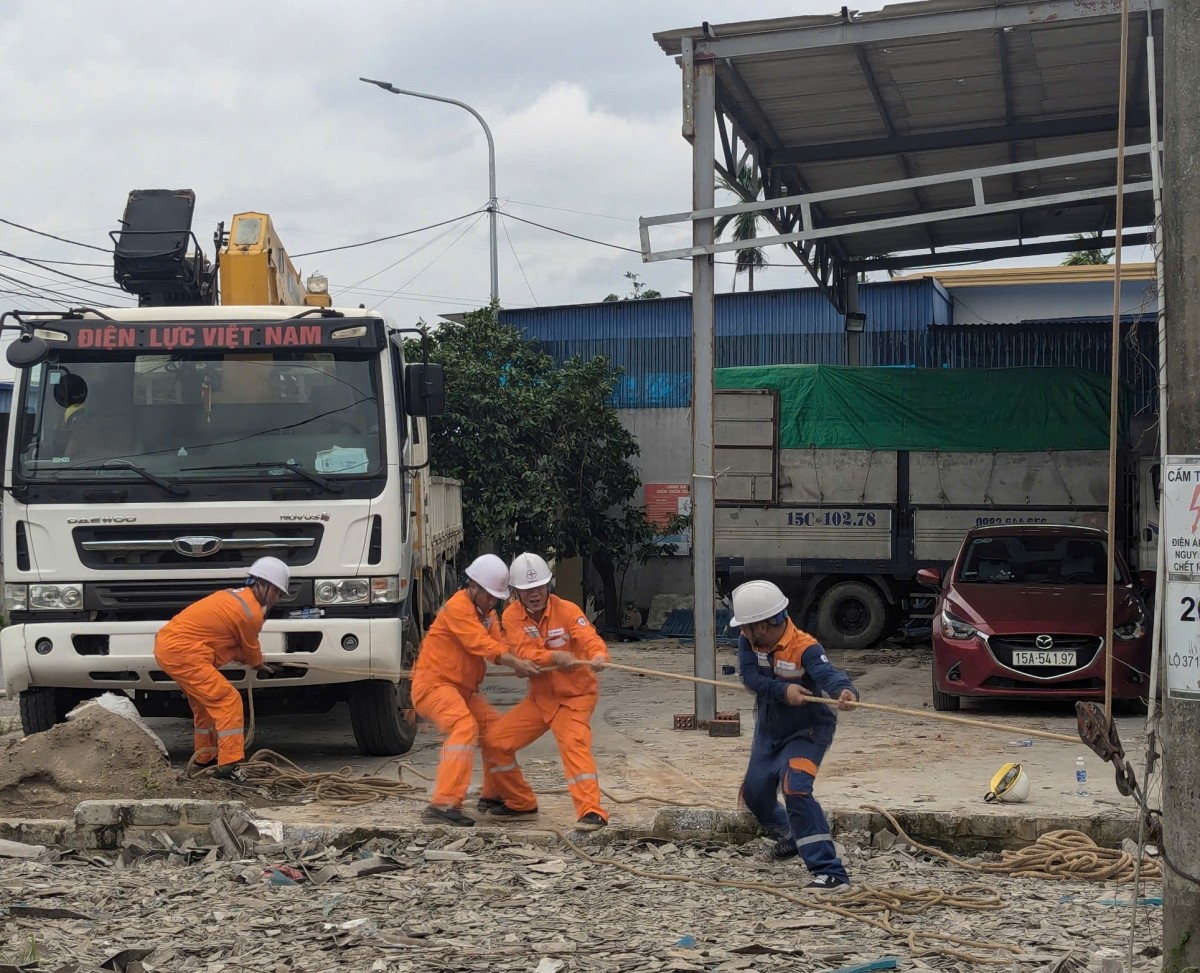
{"x": 273, "y": 571}
{"x": 1010, "y": 785}
{"x": 756, "y": 601}
{"x": 490, "y": 573}
{"x": 529, "y": 571}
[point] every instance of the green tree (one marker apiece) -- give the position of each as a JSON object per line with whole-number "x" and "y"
{"x": 638, "y": 291}
{"x": 1088, "y": 257}
{"x": 747, "y": 187}
{"x": 544, "y": 461}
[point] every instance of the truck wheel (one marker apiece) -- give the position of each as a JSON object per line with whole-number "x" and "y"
{"x": 851, "y": 615}
{"x": 943, "y": 702}
{"x": 381, "y": 712}
{"x": 41, "y": 709}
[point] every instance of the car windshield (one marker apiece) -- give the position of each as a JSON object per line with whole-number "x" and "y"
{"x": 1032, "y": 559}
{"x": 198, "y": 416}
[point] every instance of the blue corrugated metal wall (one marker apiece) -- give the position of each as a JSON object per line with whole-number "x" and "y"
{"x": 909, "y": 324}
{"x": 651, "y": 340}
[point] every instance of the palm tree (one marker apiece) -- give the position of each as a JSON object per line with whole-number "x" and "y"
{"x": 1087, "y": 258}
{"x": 745, "y": 225}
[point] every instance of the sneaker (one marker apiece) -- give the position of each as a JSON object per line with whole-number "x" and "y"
{"x": 782, "y": 850}
{"x": 827, "y": 882}
{"x": 590, "y": 822}
{"x": 448, "y": 815}
{"x": 504, "y": 811}
{"x": 488, "y": 804}
{"x": 231, "y": 772}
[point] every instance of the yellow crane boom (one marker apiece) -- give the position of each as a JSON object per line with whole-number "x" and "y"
{"x": 255, "y": 269}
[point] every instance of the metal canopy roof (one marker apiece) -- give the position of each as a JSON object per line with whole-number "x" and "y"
{"x": 944, "y": 109}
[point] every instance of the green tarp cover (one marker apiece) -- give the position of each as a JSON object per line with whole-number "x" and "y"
{"x": 947, "y": 409}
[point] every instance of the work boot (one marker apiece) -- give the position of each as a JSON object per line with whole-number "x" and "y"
{"x": 504, "y": 811}
{"x": 488, "y": 804}
{"x": 827, "y": 883}
{"x": 782, "y": 850}
{"x": 590, "y": 822}
{"x": 448, "y": 815}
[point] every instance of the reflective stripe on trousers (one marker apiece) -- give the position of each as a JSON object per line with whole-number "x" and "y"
{"x": 792, "y": 769}
{"x": 527, "y": 721}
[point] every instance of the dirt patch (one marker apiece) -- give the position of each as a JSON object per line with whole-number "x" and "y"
{"x": 98, "y": 755}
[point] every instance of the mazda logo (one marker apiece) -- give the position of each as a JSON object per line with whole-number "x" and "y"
{"x": 194, "y": 546}
{"x": 1044, "y": 642}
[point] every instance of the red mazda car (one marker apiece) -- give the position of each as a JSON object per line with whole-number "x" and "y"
{"x": 1021, "y": 616}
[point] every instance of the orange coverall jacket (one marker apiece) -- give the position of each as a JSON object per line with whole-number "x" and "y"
{"x": 563, "y": 627}
{"x": 219, "y": 629}
{"x": 458, "y": 647}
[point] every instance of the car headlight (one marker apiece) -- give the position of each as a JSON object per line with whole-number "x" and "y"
{"x": 16, "y": 598}
{"x": 955, "y": 628}
{"x": 1131, "y": 630}
{"x": 55, "y": 597}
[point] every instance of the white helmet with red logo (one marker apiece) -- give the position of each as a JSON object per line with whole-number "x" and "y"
{"x": 529, "y": 571}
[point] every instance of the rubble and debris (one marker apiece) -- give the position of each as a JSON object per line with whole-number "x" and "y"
{"x": 511, "y": 905}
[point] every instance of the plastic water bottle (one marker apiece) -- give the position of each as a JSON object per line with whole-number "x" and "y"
{"x": 1080, "y": 777}
{"x": 1020, "y": 743}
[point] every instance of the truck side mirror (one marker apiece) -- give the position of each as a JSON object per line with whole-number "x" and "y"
{"x": 930, "y": 578}
{"x": 424, "y": 389}
{"x": 27, "y": 350}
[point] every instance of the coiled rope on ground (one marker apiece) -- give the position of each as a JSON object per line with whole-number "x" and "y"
{"x": 1063, "y": 854}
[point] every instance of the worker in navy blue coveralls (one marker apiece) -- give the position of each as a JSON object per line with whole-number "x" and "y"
{"x": 782, "y": 666}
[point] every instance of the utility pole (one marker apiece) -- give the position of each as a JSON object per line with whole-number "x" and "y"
{"x": 1181, "y": 241}
{"x": 492, "y": 206}
{"x": 699, "y": 126}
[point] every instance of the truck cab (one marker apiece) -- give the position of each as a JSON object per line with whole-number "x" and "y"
{"x": 156, "y": 452}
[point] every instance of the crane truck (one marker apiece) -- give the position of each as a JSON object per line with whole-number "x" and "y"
{"x": 159, "y": 450}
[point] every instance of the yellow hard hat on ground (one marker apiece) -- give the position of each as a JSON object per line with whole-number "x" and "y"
{"x": 1010, "y": 785}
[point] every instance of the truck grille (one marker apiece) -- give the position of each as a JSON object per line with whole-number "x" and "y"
{"x": 194, "y": 546}
{"x": 163, "y": 598}
{"x": 1085, "y": 648}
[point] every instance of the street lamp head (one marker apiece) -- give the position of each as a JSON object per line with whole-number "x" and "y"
{"x": 385, "y": 85}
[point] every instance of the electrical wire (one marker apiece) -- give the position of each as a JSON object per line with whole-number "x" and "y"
{"x": 465, "y": 230}
{"x": 60, "y": 273}
{"x": 412, "y": 253}
{"x": 385, "y": 239}
{"x": 577, "y": 212}
{"x": 574, "y": 236}
{"x": 61, "y": 239}
{"x": 520, "y": 267}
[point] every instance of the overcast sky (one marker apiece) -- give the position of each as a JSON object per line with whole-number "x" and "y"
{"x": 257, "y": 106}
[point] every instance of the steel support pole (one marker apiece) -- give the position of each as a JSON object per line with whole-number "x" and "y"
{"x": 1181, "y": 243}
{"x": 854, "y": 339}
{"x": 704, "y": 569}
{"x": 492, "y": 205}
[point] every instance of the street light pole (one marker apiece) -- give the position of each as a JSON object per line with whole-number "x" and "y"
{"x": 492, "y": 208}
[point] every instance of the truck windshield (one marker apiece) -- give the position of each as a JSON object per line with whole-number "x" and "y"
{"x": 203, "y": 416}
{"x": 1029, "y": 559}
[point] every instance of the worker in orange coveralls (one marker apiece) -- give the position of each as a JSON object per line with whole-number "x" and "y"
{"x": 451, "y": 665}
{"x": 207, "y": 635}
{"x": 555, "y": 634}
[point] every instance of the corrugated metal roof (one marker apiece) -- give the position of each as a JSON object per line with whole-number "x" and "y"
{"x": 890, "y": 306}
{"x": 921, "y": 89}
